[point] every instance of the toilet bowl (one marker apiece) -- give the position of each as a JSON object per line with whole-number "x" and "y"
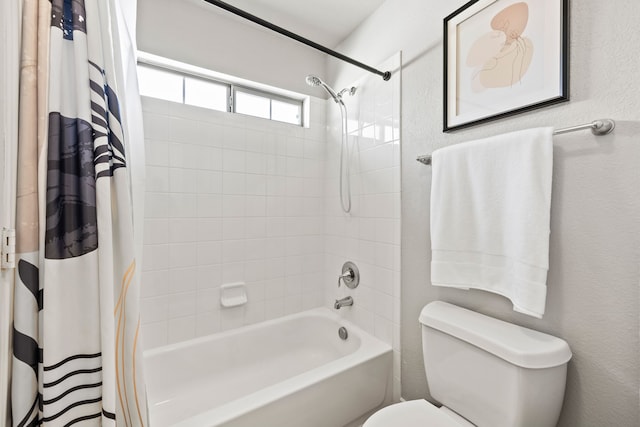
{"x": 415, "y": 413}
{"x": 485, "y": 372}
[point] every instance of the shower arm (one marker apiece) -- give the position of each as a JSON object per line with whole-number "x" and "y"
{"x": 386, "y": 75}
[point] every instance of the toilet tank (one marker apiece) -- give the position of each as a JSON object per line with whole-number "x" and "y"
{"x": 491, "y": 372}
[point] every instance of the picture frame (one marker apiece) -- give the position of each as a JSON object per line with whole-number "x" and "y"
{"x": 504, "y": 57}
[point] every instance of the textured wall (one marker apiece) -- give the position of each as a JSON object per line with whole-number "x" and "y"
{"x": 595, "y": 240}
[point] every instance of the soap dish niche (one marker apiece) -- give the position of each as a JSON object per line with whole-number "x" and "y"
{"x": 233, "y": 294}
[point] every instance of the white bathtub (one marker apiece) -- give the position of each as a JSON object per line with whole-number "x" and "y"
{"x": 289, "y": 372}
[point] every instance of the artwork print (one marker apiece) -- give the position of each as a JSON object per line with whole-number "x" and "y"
{"x": 503, "y": 57}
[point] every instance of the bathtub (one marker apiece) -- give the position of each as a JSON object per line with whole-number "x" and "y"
{"x": 290, "y": 372}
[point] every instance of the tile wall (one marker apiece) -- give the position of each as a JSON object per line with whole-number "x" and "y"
{"x": 234, "y": 198}
{"x": 229, "y": 198}
{"x": 370, "y": 234}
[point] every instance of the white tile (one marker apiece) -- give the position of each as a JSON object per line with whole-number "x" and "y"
{"x": 207, "y": 323}
{"x": 232, "y": 272}
{"x": 182, "y": 280}
{"x": 182, "y": 230}
{"x": 209, "y": 229}
{"x": 256, "y": 185}
{"x": 209, "y": 158}
{"x": 209, "y": 182}
{"x": 234, "y": 183}
{"x": 254, "y": 249}
{"x": 384, "y": 305}
{"x": 182, "y": 205}
{"x": 156, "y": 205}
{"x": 233, "y": 161}
{"x": 274, "y": 308}
{"x": 154, "y": 105}
{"x": 276, "y": 206}
{"x": 182, "y": 180}
{"x": 255, "y": 271}
{"x": 255, "y": 227}
{"x": 254, "y": 313}
{"x": 383, "y": 329}
{"x": 275, "y": 248}
{"x": 156, "y": 231}
{"x": 295, "y": 147}
{"x": 385, "y": 230}
{"x": 154, "y": 283}
{"x": 295, "y": 167}
{"x": 183, "y": 130}
{"x": 156, "y": 257}
{"x": 255, "y": 163}
{"x": 212, "y": 134}
{"x": 156, "y": 152}
{"x": 231, "y": 318}
{"x": 384, "y": 255}
{"x": 313, "y": 168}
{"x": 157, "y": 179}
{"x": 209, "y": 253}
{"x": 233, "y": 251}
{"x": 256, "y": 206}
{"x": 234, "y": 138}
{"x": 233, "y": 206}
{"x": 182, "y": 329}
{"x": 254, "y": 141}
{"x": 182, "y": 304}
{"x": 156, "y": 126}
{"x": 208, "y": 300}
{"x": 183, "y": 155}
{"x": 276, "y": 186}
{"x": 209, "y": 205}
{"x": 314, "y": 149}
{"x": 233, "y": 228}
{"x": 209, "y": 276}
{"x": 154, "y": 309}
{"x": 155, "y": 334}
{"x": 312, "y": 300}
{"x": 182, "y": 255}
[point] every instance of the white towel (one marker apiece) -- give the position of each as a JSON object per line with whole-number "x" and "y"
{"x": 490, "y": 214}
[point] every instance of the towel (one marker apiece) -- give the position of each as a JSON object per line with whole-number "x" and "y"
{"x": 490, "y": 215}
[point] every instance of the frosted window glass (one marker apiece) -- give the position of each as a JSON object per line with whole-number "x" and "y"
{"x": 207, "y": 94}
{"x": 160, "y": 84}
{"x": 253, "y": 105}
{"x": 285, "y": 112}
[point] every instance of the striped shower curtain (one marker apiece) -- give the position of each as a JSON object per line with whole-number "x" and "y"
{"x": 76, "y": 346}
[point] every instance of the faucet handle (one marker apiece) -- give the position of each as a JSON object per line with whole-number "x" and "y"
{"x": 350, "y": 275}
{"x": 347, "y": 276}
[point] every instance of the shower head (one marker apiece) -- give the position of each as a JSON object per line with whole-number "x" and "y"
{"x": 316, "y": 81}
{"x": 313, "y": 80}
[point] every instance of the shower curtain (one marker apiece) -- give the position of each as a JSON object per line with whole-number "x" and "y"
{"x": 76, "y": 345}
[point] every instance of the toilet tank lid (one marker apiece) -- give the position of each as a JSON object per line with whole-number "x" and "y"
{"x": 516, "y": 344}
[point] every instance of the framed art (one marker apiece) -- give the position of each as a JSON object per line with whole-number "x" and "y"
{"x": 503, "y": 57}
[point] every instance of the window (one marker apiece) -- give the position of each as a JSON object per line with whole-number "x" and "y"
{"x": 206, "y": 94}
{"x": 177, "y": 86}
{"x": 267, "y": 105}
{"x": 160, "y": 84}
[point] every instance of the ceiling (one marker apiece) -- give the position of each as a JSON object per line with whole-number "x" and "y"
{"x": 327, "y": 22}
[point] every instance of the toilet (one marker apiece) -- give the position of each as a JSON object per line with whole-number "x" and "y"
{"x": 484, "y": 372}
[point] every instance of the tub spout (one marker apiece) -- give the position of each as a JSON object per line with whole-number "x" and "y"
{"x": 343, "y": 302}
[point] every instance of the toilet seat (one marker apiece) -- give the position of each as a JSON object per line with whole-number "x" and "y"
{"x": 414, "y": 413}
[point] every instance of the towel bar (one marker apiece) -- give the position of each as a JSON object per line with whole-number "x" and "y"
{"x": 598, "y": 127}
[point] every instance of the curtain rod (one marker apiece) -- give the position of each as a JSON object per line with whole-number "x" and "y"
{"x": 386, "y": 75}
{"x": 598, "y": 127}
